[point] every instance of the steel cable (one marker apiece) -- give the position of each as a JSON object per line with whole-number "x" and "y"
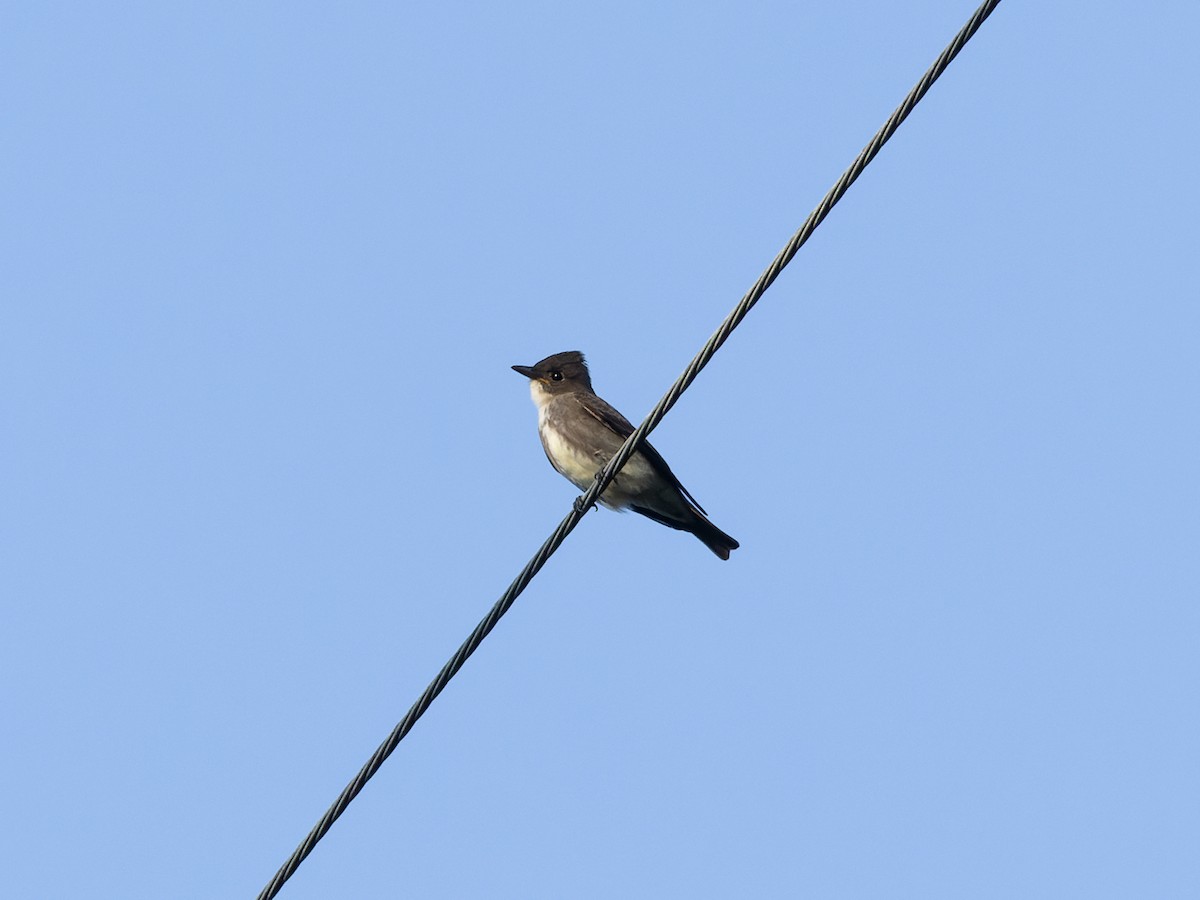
{"x": 588, "y": 499}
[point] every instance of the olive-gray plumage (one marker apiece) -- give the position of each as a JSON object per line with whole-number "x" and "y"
{"x": 580, "y": 433}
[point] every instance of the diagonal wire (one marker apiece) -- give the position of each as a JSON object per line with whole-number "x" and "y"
{"x": 584, "y": 502}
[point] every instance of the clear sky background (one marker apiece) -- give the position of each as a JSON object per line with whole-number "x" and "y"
{"x": 265, "y": 269}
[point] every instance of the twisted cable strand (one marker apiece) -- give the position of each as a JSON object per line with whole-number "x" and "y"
{"x": 588, "y": 499}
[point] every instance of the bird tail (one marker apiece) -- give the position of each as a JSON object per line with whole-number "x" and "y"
{"x": 713, "y": 537}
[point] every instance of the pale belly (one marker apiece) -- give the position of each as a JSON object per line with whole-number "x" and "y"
{"x": 634, "y": 480}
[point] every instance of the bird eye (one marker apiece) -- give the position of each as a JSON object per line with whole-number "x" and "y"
{"x": 556, "y": 375}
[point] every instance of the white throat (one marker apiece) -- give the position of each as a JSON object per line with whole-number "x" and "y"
{"x": 540, "y": 396}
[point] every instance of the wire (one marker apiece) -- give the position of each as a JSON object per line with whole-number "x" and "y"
{"x": 588, "y": 499}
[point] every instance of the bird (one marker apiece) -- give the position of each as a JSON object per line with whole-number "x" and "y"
{"x": 581, "y": 433}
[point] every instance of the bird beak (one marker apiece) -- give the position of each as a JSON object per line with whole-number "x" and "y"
{"x": 527, "y": 371}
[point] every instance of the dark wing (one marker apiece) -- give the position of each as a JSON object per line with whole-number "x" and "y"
{"x": 615, "y": 422}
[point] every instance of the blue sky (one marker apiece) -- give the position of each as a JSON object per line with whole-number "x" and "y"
{"x": 265, "y": 269}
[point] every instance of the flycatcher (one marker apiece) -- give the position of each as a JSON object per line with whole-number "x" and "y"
{"x": 580, "y": 433}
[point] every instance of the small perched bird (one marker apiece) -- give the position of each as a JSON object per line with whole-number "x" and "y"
{"x": 580, "y": 433}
